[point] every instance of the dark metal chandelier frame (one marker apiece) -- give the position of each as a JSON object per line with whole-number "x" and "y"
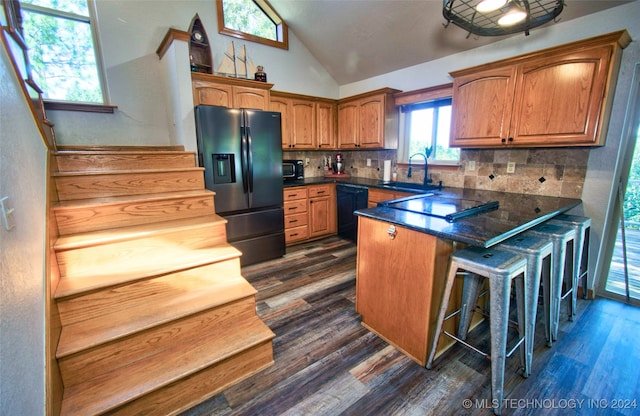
{"x": 463, "y": 13}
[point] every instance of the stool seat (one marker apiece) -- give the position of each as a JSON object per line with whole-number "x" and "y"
{"x": 563, "y": 239}
{"x": 501, "y": 268}
{"x": 539, "y": 254}
{"x": 582, "y": 226}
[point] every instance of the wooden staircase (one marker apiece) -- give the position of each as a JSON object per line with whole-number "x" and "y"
{"x": 156, "y": 316}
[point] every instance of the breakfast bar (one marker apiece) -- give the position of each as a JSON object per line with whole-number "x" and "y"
{"x": 404, "y": 247}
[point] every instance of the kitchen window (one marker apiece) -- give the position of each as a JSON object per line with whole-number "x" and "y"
{"x": 427, "y": 125}
{"x": 61, "y": 38}
{"x": 252, "y": 20}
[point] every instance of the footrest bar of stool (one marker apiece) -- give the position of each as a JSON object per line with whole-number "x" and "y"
{"x": 452, "y": 314}
{"x": 515, "y": 347}
{"x": 466, "y": 344}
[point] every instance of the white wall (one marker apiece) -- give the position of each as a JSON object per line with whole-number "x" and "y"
{"x": 23, "y": 167}
{"x": 130, "y": 32}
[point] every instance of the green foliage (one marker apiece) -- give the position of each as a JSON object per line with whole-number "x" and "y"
{"x": 61, "y": 53}
{"x": 245, "y": 16}
{"x": 632, "y": 196}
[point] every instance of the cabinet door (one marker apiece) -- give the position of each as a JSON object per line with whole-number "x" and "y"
{"x": 303, "y": 124}
{"x": 558, "y": 100}
{"x": 251, "y": 98}
{"x": 326, "y": 125}
{"x": 348, "y": 125}
{"x": 322, "y": 210}
{"x": 482, "y": 107}
{"x": 283, "y": 106}
{"x": 371, "y": 122}
{"x": 212, "y": 94}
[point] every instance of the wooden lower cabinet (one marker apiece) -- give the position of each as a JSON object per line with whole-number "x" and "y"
{"x": 309, "y": 212}
{"x": 399, "y": 284}
{"x": 380, "y": 195}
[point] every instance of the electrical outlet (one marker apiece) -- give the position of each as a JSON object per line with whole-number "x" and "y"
{"x": 471, "y": 165}
{"x": 307, "y": 161}
{"x": 7, "y": 213}
{"x": 368, "y": 162}
{"x": 511, "y": 167}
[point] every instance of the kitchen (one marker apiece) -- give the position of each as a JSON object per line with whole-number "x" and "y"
{"x": 142, "y": 116}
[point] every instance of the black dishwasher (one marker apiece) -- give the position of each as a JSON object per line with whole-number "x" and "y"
{"x": 350, "y": 198}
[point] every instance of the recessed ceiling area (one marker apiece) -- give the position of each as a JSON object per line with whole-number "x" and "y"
{"x": 360, "y": 39}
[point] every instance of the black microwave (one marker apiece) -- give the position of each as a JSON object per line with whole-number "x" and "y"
{"x": 292, "y": 170}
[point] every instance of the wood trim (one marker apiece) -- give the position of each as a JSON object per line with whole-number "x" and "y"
{"x": 424, "y": 94}
{"x": 86, "y": 107}
{"x": 172, "y": 35}
{"x": 620, "y": 38}
{"x": 199, "y": 76}
{"x": 294, "y": 96}
{"x": 369, "y": 94}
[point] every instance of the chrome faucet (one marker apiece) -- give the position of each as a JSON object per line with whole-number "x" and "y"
{"x": 425, "y": 155}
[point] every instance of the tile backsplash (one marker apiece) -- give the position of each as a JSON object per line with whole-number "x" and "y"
{"x": 548, "y": 171}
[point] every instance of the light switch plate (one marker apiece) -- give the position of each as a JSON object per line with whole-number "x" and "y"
{"x": 7, "y": 213}
{"x": 368, "y": 162}
{"x": 471, "y": 165}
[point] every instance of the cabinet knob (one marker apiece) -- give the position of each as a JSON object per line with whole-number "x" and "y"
{"x": 392, "y": 232}
{"x": 510, "y": 139}
{"x": 503, "y": 140}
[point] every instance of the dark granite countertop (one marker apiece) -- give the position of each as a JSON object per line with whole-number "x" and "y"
{"x": 515, "y": 214}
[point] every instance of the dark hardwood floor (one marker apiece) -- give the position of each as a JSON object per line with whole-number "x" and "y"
{"x": 327, "y": 363}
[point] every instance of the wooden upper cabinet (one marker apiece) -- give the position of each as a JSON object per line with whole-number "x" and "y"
{"x": 283, "y": 106}
{"x": 307, "y": 122}
{"x": 555, "y": 97}
{"x": 230, "y": 92}
{"x": 368, "y": 121}
{"x": 303, "y": 124}
{"x": 348, "y": 124}
{"x": 251, "y": 98}
{"x": 326, "y": 114}
{"x": 482, "y": 107}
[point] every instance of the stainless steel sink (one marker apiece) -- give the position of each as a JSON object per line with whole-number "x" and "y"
{"x": 411, "y": 186}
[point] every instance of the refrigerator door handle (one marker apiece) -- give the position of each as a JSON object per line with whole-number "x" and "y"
{"x": 244, "y": 151}
{"x": 250, "y": 159}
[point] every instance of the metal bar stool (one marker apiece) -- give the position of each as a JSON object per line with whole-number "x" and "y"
{"x": 582, "y": 225}
{"x": 539, "y": 254}
{"x": 501, "y": 268}
{"x": 563, "y": 239}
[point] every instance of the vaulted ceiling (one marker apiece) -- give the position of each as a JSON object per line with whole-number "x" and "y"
{"x": 359, "y": 39}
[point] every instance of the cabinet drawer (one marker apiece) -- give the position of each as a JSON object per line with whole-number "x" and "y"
{"x": 296, "y": 234}
{"x": 291, "y": 194}
{"x": 295, "y": 220}
{"x": 315, "y": 191}
{"x": 379, "y": 195}
{"x": 295, "y": 207}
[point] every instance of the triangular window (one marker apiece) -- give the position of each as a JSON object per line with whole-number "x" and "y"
{"x": 252, "y": 20}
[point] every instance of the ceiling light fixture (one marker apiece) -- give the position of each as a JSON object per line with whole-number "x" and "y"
{"x": 513, "y": 15}
{"x": 497, "y": 18}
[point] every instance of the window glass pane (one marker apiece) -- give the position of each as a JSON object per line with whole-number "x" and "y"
{"x": 442, "y": 151}
{"x": 69, "y": 6}
{"x": 245, "y": 16}
{"x": 62, "y": 57}
{"x": 430, "y": 128}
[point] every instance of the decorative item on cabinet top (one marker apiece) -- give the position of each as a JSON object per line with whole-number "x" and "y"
{"x": 199, "y": 49}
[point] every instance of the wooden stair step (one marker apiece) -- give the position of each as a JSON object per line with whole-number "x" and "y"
{"x": 105, "y": 316}
{"x": 114, "y": 388}
{"x": 83, "y": 215}
{"x": 186, "y": 393}
{"x": 82, "y": 185}
{"x": 147, "y": 262}
{"x": 196, "y": 228}
{"x": 88, "y": 160}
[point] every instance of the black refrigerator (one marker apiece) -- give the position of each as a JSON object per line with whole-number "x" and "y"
{"x": 241, "y": 152}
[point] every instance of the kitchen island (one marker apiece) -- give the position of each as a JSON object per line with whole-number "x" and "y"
{"x": 403, "y": 255}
